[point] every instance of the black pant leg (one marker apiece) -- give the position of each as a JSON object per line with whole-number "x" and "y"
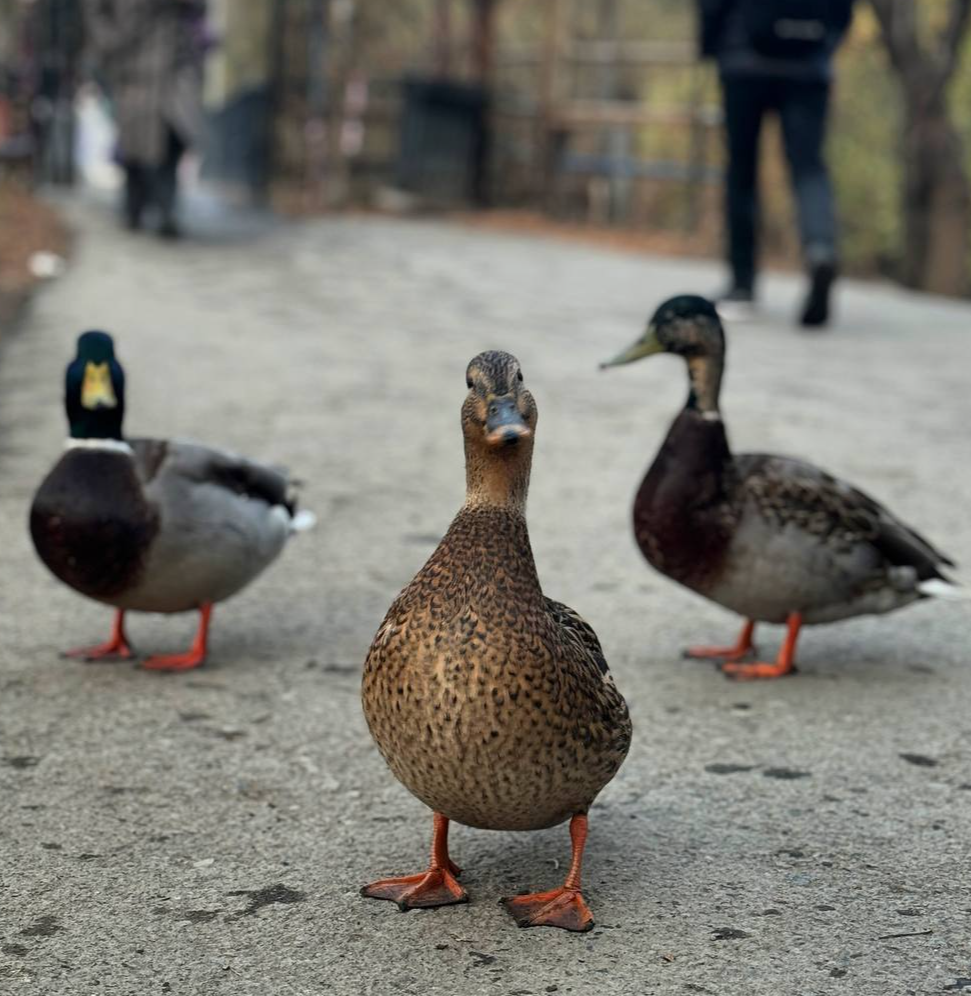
{"x": 745, "y": 103}
{"x": 166, "y": 179}
{"x": 136, "y": 194}
{"x": 804, "y": 110}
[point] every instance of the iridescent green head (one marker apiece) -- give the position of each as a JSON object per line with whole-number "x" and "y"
{"x": 688, "y": 326}
{"x": 94, "y": 389}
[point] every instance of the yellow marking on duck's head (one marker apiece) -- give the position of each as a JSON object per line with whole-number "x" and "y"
{"x": 97, "y": 390}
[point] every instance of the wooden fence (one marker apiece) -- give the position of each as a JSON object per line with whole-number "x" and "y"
{"x": 583, "y": 125}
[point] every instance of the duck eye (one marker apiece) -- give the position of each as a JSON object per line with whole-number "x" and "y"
{"x": 519, "y": 376}
{"x": 468, "y": 383}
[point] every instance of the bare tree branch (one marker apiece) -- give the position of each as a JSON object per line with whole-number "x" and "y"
{"x": 924, "y": 71}
{"x": 898, "y": 22}
{"x": 949, "y": 41}
{"x": 936, "y": 196}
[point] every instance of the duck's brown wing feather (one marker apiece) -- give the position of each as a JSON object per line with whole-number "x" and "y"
{"x": 608, "y": 724}
{"x": 793, "y": 491}
{"x": 579, "y": 632}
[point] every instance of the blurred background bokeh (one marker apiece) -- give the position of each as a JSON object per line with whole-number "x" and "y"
{"x": 593, "y": 116}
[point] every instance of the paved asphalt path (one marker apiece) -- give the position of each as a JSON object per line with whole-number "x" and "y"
{"x": 207, "y": 833}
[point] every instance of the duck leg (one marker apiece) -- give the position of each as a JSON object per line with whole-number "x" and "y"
{"x": 563, "y": 907}
{"x": 117, "y": 648}
{"x": 784, "y": 663}
{"x": 736, "y": 653}
{"x": 436, "y": 887}
{"x": 196, "y": 654}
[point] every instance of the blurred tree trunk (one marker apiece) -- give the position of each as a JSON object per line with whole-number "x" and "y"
{"x": 442, "y": 38}
{"x": 483, "y": 40}
{"x": 483, "y": 46}
{"x": 936, "y": 194}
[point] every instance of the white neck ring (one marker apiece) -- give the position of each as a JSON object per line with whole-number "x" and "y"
{"x": 113, "y": 445}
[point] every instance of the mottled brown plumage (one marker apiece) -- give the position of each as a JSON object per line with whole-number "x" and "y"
{"x": 490, "y": 702}
{"x": 775, "y": 539}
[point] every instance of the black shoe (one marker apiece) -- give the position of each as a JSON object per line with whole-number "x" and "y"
{"x": 169, "y": 230}
{"x": 815, "y": 312}
{"x": 737, "y": 304}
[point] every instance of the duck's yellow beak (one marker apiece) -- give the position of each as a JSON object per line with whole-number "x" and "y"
{"x": 505, "y": 425}
{"x": 647, "y": 345}
{"x": 97, "y": 390}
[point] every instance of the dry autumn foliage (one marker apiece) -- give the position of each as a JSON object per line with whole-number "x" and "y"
{"x": 26, "y": 226}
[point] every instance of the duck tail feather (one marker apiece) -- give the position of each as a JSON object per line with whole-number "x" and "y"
{"x": 302, "y": 521}
{"x": 941, "y": 588}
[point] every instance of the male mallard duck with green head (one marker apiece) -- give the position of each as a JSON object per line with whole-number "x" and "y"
{"x": 490, "y": 702}
{"x": 151, "y": 525}
{"x": 774, "y": 539}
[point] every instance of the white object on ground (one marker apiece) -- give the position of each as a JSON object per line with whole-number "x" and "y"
{"x": 46, "y": 265}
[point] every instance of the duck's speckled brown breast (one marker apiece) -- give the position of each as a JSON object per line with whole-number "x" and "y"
{"x": 477, "y": 700}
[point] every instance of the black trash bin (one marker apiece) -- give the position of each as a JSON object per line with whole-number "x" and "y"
{"x": 442, "y": 156}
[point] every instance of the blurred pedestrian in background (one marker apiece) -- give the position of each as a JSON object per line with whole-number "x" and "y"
{"x": 150, "y": 55}
{"x": 777, "y": 55}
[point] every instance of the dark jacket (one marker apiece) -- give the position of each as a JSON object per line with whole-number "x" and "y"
{"x": 724, "y": 37}
{"x": 147, "y": 51}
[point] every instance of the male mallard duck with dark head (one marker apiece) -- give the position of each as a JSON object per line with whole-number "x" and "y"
{"x": 151, "y": 525}
{"x": 490, "y": 702}
{"x": 774, "y": 539}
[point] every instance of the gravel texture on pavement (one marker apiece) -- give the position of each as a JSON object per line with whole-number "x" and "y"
{"x": 207, "y": 833}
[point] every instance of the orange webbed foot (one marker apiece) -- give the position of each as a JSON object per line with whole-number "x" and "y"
{"x": 111, "y": 651}
{"x": 757, "y": 670}
{"x": 436, "y": 887}
{"x": 717, "y": 653}
{"x": 562, "y": 907}
{"x": 117, "y": 648}
{"x": 194, "y": 657}
{"x": 175, "y": 662}
{"x": 784, "y": 664}
{"x": 739, "y": 651}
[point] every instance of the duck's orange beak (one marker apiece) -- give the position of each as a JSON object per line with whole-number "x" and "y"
{"x": 505, "y": 425}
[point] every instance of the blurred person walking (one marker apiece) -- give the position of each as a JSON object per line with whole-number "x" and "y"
{"x": 777, "y": 56}
{"x": 150, "y": 54}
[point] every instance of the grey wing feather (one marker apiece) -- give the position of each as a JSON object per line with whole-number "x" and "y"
{"x": 150, "y": 454}
{"x": 223, "y": 520}
{"x": 207, "y": 465}
{"x": 790, "y": 490}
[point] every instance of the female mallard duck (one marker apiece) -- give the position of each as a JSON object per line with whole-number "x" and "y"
{"x": 490, "y": 702}
{"x": 774, "y": 539}
{"x": 151, "y": 525}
